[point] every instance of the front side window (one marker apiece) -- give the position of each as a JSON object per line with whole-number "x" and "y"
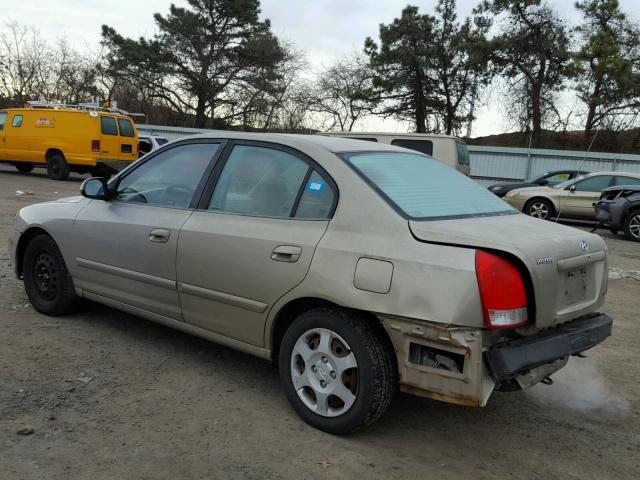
{"x": 627, "y": 181}
{"x": 423, "y": 188}
{"x": 3, "y": 119}
{"x": 108, "y": 126}
{"x": 170, "y": 179}
{"x": 259, "y": 181}
{"x": 593, "y": 184}
{"x": 126, "y": 128}
{"x": 422, "y": 146}
{"x": 463, "y": 153}
{"x": 17, "y": 121}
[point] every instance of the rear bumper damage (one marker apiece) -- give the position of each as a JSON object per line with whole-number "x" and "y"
{"x": 511, "y": 359}
{"x": 462, "y": 365}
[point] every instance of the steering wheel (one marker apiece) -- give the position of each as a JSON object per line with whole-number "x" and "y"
{"x": 172, "y": 191}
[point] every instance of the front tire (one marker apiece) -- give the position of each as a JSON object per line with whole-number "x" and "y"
{"x": 57, "y": 168}
{"x": 46, "y": 279}
{"x": 632, "y": 226}
{"x": 338, "y": 371}
{"x": 539, "y": 208}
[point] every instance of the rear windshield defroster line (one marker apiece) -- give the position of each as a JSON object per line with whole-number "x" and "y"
{"x": 421, "y": 188}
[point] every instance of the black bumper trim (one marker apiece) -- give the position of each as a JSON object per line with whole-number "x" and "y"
{"x": 509, "y": 359}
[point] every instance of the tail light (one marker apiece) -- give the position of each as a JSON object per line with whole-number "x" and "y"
{"x": 95, "y": 146}
{"x": 504, "y": 299}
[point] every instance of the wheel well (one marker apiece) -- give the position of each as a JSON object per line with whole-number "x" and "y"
{"x": 25, "y": 238}
{"x": 631, "y": 210}
{"x": 528, "y": 202}
{"x": 53, "y": 151}
{"x": 293, "y": 309}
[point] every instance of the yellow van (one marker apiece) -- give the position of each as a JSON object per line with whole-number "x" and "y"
{"x": 448, "y": 149}
{"x": 67, "y": 139}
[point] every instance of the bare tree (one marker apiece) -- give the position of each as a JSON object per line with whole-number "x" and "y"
{"x": 345, "y": 93}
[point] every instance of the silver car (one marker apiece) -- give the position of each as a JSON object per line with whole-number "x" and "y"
{"x": 356, "y": 267}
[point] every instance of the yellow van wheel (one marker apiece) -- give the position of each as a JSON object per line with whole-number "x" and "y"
{"x": 24, "y": 168}
{"x": 57, "y": 167}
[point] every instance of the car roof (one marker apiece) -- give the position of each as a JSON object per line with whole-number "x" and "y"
{"x": 330, "y": 143}
{"x": 626, "y": 174}
{"x": 387, "y": 134}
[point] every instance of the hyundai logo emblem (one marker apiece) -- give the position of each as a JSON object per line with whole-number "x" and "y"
{"x": 584, "y": 245}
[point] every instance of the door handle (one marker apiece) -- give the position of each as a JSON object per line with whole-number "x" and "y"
{"x": 159, "y": 235}
{"x": 286, "y": 253}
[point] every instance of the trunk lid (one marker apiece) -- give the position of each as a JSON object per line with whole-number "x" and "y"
{"x": 567, "y": 266}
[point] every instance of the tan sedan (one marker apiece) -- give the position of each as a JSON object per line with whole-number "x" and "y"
{"x": 571, "y": 199}
{"x": 355, "y": 267}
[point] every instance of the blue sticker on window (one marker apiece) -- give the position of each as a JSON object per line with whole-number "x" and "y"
{"x": 315, "y": 186}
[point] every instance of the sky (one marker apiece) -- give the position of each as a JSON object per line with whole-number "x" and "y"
{"x": 323, "y": 29}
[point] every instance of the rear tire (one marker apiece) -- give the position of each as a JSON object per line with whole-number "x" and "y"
{"x": 57, "y": 167}
{"x": 344, "y": 369}
{"x": 632, "y": 226}
{"x": 24, "y": 168}
{"x": 46, "y": 279}
{"x": 539, "y": 208}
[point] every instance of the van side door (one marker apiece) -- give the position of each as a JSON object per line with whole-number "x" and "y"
{"x": 109, "y": 139}
{"x": 3, "y": 137}
{"x": 128, "y": 145}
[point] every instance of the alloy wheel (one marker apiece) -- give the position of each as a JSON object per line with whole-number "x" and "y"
{"x": 539, "y": 210}
{"x": 324, "y": 372}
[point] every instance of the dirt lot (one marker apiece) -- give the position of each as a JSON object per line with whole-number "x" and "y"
{"x": 113, "y": 396}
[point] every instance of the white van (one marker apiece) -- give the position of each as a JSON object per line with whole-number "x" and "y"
{"x": 449, "y": 150}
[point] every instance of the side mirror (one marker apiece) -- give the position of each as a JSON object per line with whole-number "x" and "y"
{"x": 96, "y": 188}
{"x": 572, "y": 188}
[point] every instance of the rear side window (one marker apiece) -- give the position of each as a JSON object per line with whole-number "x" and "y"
{"x": 423, "y": 188}
{"x": 627, "y": 181}
{"x": 259, "y": 181}
{"x": 126, "y": 129}
{"x": 108, "y": 126}
{"x": 463, "y": 153}
{"x": 317, "y": 199}
{"x": 17, "y": 121}
{"x": 422, "y": 146}
{"x": 3, "y": 119}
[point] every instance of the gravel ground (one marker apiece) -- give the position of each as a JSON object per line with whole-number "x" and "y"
{"x": 109, "y": 396}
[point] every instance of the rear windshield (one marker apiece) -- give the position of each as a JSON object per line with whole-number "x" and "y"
{"x": 126, "y": 129}
{"x": 425, "y": 189}
{"x": 108, "y": 126}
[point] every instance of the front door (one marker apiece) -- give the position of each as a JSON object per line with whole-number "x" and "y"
{"x": 253, "y": 241}
{"x": 125, "y": 248}
{"x": 576, "y": 201}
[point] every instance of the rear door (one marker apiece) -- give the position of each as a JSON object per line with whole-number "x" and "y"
{"x": 109, "y": 139}
{"x": 252, "y": 238}
{"x": 128, "y": 148}
{"x": 578, "y": 202}
{"x": 125, "y": 248}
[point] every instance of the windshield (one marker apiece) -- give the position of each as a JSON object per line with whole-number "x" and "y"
{"x": 562, "y": 185}
{"x": 423, "y": 188}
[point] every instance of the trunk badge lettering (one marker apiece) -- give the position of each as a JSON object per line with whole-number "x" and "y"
{"x": 544, "y": 260}
{"x": 584, "y": 245}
